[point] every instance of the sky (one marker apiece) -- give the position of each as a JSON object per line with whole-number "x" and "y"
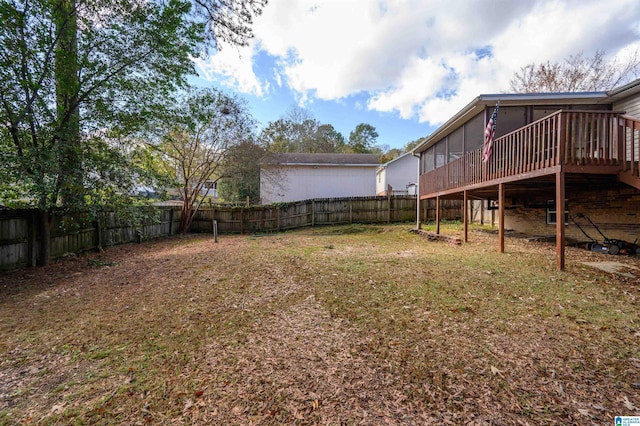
{"x": 406, "y": 66}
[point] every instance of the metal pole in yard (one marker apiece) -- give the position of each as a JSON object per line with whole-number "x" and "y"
{"x": 215, "y": 231}
{"x": 389, "y": 192}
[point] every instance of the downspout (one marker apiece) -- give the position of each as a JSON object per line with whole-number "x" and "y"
{"x": 418, "y": 224}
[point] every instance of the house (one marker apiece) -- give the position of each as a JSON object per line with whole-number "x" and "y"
{"x": 210, "y": 189}
{"x": 301, "y": 176}
{"x": 552, "y": 152}
{"x": 400, "y": 176}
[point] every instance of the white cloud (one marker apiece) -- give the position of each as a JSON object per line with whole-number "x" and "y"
{"x": 233, "y": 67}
{"x": 421, "y": 59}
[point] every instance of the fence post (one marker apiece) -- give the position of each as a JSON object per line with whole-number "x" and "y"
{"x": 98, "y": 234}
{"x": 33, "y": 243}
{"x": 389, "y": 205}
{"x": 313, "y": 213}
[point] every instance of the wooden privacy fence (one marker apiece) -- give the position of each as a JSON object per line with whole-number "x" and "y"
{"x": 19, "y": 239}
{"x": 316, "y": 212}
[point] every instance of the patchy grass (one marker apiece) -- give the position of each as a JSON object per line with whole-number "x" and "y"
{"x": 353, "y": 325}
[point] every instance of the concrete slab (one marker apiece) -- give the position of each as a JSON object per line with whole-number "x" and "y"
{"x": 616, "y": 268}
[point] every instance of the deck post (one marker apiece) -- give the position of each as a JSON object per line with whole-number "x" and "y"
{"x": 438, "y": 214}
{"x": 465, "y": 215}
{"x": 560, "y": 207}
{"x": 501, "y": 216}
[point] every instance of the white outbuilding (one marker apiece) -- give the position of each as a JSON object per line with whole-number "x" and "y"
{"x": 288, "y": 177}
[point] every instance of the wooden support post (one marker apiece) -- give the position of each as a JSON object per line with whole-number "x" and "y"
{"x": 501, "y": 216}
{"x": 437, "y": 214}
{"x": 560, "y": 207}
{"x": 170, "y": 221}
{"x": 465, "y": 215}
{"x": 389, "y": 205}
{"x": 313, "y": 214}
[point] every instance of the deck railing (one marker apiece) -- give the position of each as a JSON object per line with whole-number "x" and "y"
{"x": 581, "y": 138}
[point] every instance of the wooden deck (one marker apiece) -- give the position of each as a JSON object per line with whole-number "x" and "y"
{"x": 574, "y": 142}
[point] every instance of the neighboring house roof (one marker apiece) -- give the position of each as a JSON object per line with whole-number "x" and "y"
{"x": 398, "y": 158}
{"x": 324, "y": 159}
{"x": 509, "y": 99}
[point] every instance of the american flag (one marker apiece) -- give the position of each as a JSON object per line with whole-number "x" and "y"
{"x": 489, "y": 131}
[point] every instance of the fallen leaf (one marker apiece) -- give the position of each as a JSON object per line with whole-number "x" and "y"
{"x": 57, "y": 408}
{"x": 629, "y": 404}
{"x": 495, "y": 371}
{"x": 585, "y": 413}
{"x": 187, "y": 405}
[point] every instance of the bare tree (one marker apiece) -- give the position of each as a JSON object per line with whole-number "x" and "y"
{"x": 577, "y": 73}
{"x": 197, "y": 144}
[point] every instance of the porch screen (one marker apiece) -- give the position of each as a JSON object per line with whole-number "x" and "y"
{"x": 456, "y": 145}
{"x": 427, "y": 160}
{"x": 510, "y": 119}
{"x": 441, "y": 153}
{"x": 474, "y": 133}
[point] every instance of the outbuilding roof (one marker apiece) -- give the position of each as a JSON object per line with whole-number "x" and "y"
{"x": 324, "y": 159}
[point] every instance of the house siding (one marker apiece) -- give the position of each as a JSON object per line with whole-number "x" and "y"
{"x": 294, "y": 183}
{"x": 399, "y": 173}
{"x": 381, "y": 181}
{"x": 631, "y": 106}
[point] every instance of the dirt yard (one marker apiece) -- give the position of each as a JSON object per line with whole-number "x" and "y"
{"x": 349, "y": 325}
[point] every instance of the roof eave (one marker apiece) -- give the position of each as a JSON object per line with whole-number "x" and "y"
{"x": 323, "y": 164}
{"x": 624, "y": 91}
{"x": 506, "y": 99}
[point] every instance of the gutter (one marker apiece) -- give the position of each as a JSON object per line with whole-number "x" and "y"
{"x": 632, "y": 88}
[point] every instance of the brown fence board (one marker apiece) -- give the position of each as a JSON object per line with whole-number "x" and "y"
{"x": 108, "y": 230}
